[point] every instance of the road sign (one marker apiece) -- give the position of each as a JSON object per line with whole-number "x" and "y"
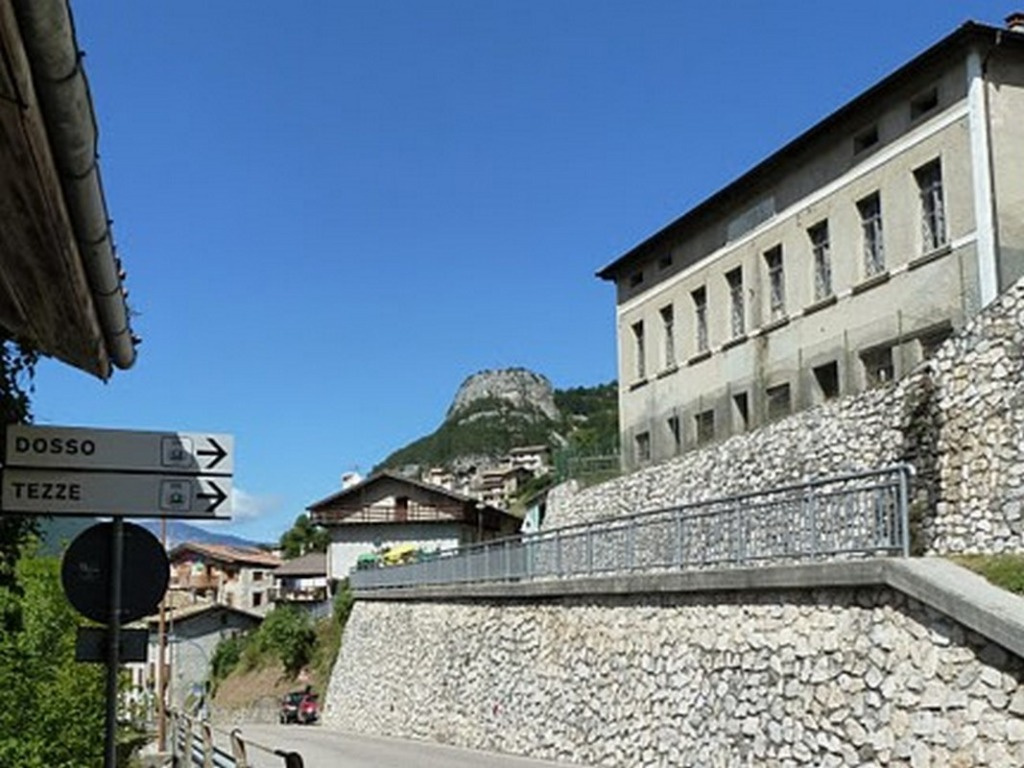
{"x": 85, "y": 572}
{"x": 119, "y": 450}
{"x": 91, "y": 644}
{"x": 65, "y": 492}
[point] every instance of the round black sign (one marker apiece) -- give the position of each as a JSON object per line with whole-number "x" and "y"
{"x": 87, "y": 565}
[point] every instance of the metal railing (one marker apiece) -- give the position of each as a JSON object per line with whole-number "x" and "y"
{"x": 850, "y": 516}
{"x": 197, "y": 744}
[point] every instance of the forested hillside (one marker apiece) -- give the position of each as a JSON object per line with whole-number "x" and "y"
{"x": 496, "y": 411}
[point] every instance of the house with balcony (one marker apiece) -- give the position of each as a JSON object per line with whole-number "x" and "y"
{"x": 302, "y": 582}
{"x": 388, "y": 510}
{"x": 499, "y": 485}
{"x": 534, "y": 458}
{"x": 835, "y": 265}
{"x": 237, "y": 577}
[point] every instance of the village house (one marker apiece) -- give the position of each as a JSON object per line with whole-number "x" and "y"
{"x": 390, "y": 510}
{"x": 192, "y": 633}
{"x": 302, "y": 582}
{"x": 237, "y": 577}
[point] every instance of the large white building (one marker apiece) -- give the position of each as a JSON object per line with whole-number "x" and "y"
{"x": 838, "y": 262}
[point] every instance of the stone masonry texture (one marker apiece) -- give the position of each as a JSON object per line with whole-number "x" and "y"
{"x": 957, "y": 419}
{"x": 823, "y": 676}
{"x": 843, "y": 677}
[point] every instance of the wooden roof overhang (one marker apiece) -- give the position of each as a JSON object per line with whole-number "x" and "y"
{"x": 360, "y": 504}
{"x": 61, "y": 289}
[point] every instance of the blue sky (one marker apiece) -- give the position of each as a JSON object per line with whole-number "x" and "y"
{"x": 332, "y": 212}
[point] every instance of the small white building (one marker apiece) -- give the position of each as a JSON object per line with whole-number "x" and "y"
{"x": 535, "y": 458}
{"x": 192, "y": 633}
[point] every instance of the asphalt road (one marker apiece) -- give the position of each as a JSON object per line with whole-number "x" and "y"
{"x": 326, "y": 748}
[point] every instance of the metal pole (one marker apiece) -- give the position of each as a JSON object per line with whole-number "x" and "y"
{"x": 161, "y": 655}
{"x": 631, "y": 545}
{"x": 678, "y": 519}
{"x": 590, "y": 550}
{"x": 114, "y": 638}
{"x": 904, "y": 509}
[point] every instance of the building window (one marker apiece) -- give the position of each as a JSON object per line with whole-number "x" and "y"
{"x": 665, "y": 261}
{"x": 932, "y": 340}
{"x": 740, "y": 412}
{"x": 924, "y": 103}
{"x": 933, "y": 208}
{"x": 704, "y": 423}
{"x": 257, "y": 599}
{"x": 822, "y": 261}
{"x": 827, "y": 378}
{"x": 776, "y": 282}
{"x": 643, "y": 447}
{"x": 865, "y": 139}
{"x": 636, "y": 278}
{"x": 638, "y": 344}
{"x": 668, "y": 330}
{"x": 878, "y": 366}
{"x": 675, "y": 433}
{"x": 870, "y": 209}
{"x": 778, "y": 401}
{"x": 700, "y": 311}
{"x": 736, "y": 306}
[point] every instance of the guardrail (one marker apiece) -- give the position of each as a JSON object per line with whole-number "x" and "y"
{"x": 849, "y": 516}
{"x": 198, "y": 744}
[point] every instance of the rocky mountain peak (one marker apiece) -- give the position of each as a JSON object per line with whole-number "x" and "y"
{"x": 521, "y": 389}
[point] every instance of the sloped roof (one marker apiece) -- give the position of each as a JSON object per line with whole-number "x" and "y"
{"x": 359, "y": 489}
{"x": 227, "y": 554}
{"x": 310, "y": 564}
{"x": 189, "y": 612}
{"x": 352, "y": 500}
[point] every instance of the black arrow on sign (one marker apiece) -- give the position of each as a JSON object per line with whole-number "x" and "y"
{"x": 217, "y": 451}
{"x": 218, "y": 494}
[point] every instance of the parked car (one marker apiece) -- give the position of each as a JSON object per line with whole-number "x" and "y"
{"x": 299, "y": 707}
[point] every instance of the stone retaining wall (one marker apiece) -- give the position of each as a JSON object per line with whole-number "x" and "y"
{"x": 957, "y": 419}
{"x": 847, "y": 676}
{"x": 825, "y": 677}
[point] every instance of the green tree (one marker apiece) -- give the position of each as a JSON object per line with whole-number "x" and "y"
{"x": 226, "y": 657}
{"x": 287, "y": 633}
{"x": 51, "y": 707}
{"x": 17, "y": 369}
{"x": 303, "y": 537}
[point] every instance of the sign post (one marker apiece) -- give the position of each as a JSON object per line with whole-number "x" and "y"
{"x": 114, "y": 637}
{"x": 120, "y": 473}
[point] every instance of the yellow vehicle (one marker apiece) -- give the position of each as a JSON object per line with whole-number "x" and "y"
{"x": 400, "y": 554}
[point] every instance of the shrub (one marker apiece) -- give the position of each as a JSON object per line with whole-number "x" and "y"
{"x": 287, "y": 633}
{"x": 226, "y": 657}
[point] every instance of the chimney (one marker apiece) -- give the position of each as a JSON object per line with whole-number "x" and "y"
{"x": 1015, "y": 22}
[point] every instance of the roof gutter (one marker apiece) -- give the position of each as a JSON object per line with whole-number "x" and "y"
{"x": 48, "y": 34}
